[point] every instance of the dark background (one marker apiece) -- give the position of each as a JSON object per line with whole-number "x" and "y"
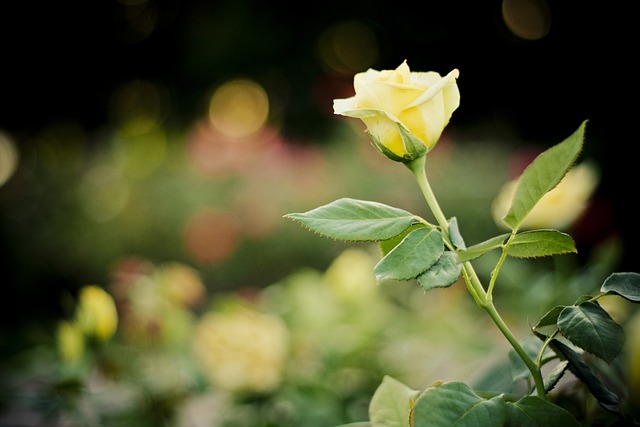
{"x": 61, "y": 60}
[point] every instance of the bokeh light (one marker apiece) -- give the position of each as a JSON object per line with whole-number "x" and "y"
{"x": 211, "y": 236}
{"x": 348, "y": 47}
{"x": 239, "y": 108}
{"x": 527, "y": 19}
{"x": 138, "y": 106}
{"x": 139, "y": 18}
{"x": 8, "y": 157}
{"x": 103, "y": 193}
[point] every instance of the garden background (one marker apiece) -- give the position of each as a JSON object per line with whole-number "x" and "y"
{"x": 136, "y": 136}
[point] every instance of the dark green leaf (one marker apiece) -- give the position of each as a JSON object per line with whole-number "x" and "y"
{"x": 415, "y": 254}
{"x": 355, "y": 220}
{"x": 582, "y": 299}
{"x": 552, "y": 378}
{"x": 591, "y": 328}
{"x": 442, "y": 274}
{"x": 580, "y": 369}
{"x": 551, "y": 317}
{"x": 531, "y": 411}
{"x": 627, "y": 285}
{"x": 542, "y": 175}
{"x": 481, "y": 248}
{"x": 539, "y": 243}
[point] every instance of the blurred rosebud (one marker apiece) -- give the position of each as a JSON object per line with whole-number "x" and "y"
{"x": 351, "y": 275}
{"x": 560, "y": 207}
{"x": 242, "y": 350}
{"x": 96, "y": 313}
{"x": 70, "y": 341}
{"x": 181, "y": 284}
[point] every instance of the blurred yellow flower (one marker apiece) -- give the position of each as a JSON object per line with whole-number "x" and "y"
{"x": 96, "y": 313}
{"x": 154, "y": 311}
{"x": 351, "y": 276}
{"x": 560, "y": 207}
{"x": 181, "y": 284}
{"x": 242, "y": 350}
{"x": 70, "y": 342}
{"x": 405, "y": 112}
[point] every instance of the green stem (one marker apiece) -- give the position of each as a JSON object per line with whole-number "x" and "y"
{"x": 417, "y": 167}
{"x": 496, "y": 270}
{"x": 531, "y": 365}
{"x": 484, "y": 300}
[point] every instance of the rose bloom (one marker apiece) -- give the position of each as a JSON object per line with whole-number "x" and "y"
{"x": 405, "y": 112}
{"x": 242, "y": 350}
{"x": 96, "y": 313}
{"x": 560, "y": 207}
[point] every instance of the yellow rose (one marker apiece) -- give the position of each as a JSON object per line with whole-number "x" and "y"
{"x": 405, "y": 112}
{"x": 96, "y": 313}
{"x": 560, "y": 207}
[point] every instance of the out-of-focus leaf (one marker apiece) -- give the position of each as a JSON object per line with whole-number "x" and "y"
{"x": 531, "y": 346}
{"x": 391, "y": 404}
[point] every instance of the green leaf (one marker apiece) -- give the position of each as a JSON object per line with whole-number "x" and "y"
{"x": 444, "y": 273}
{"x": 539, "y": 243}
{"x": 391, "y": 404}
{"x": 479, "y": 249}
{"x": 531, "y": 411}
{"x": 550, "y": 318}
{"x": 355, "y": 220}
{"x": 591, "y": 328}
{"x": 455, "y": 404}
{"x": 542, "y": 175}
{"x": 454, "y": 234}
{"x": 627, "y": 285}
{"x": 387, "y": 245}
{"x": 555, "y": 375}
{"x": 582, "y": 371}
{"x": 417, "y": 252}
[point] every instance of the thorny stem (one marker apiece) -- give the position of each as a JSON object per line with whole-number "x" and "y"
{"x": 483, "y": 298}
